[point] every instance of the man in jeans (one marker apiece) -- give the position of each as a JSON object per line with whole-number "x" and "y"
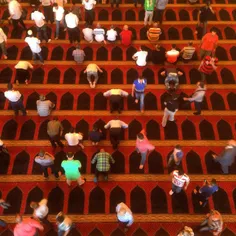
{"x": 160, "y": 5}
{"x": 3, "y": 40}
{"x": 149, "y": 6}
{"x": 47, "y": 8}
{"x": 138, "y": 89}
{"x": 46, "y": 160}
{"x": 92, "y": 70}
{"x": 143, "y": 146}
{"x": 103, "y": 160}
{"x": 59, "y": 17}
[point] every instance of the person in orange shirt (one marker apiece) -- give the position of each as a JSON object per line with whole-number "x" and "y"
{"x": 172, "y": 55}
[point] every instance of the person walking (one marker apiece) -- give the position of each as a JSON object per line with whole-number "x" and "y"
{"x": 126, "y": 36}
{"x": 138, "y": 89}
{"x": 140, "y": 57}
{"x": 22, "y": 72}
{"x": 149, "y": 6}
{"x": 3, "y": 41}
{"x": 103, "y": 160}
{"x": 55, "y": 131}
{"x": 71, "y": 168}
{"x": 46, "y": 160}
{"x": 161, "y": 6}
{"x": 72, "y": 22}
{"x": 158, "y": 55}
{"x": 197, "y": 97}
{"x": 92, "y": 70}
{"x": 143, "y": 146}
{"x": 89, "y": 6}
{"x": 15, "y": 99}
{"x": 124, "y": 215}
{"x": 34, "y": 44}
{"x": 176, "y": 156}
{"x": 78, "y": 55}
{"x": 73, "y": 138}
{"x": 47, "y": 9}
{"x": 227, "y": 157}
{"x": 171, "y": 107}
{"x": 95, "y": 135}
{"x": 44, "y": 107}
{"x": 115, "y": 127}
{"x": 64, "y": 224}
{"x": 116, "y": 96}
{"x": 59, "y": 18}
{"x": 179, "y": 181}
{"x": 27, "y": 227}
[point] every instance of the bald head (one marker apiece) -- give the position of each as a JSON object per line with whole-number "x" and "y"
{"x": 126, "y": 27}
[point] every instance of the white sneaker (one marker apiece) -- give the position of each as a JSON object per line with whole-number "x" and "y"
{"x": 171, "y": 192}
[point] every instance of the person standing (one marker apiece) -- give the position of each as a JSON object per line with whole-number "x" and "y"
{"x": 149, "y": 6}
{"x": 227, "y": 157}
{"x": 3, "y": 41}
{"x": 207, "y": 66}
{"x": 89, "y": 11}
{"x": 102, "y": 160}
{"x": 44, "y": 107}
{"x": 161, "y": 6}
{"x": 154, "y": 33}
{"x": 92, "y": 70}
{"x": 76, "y": 9}
{"x": 176, "y": 156}
{"x": 15, "y": 12}
{"x": 71, "y": 168}
{"x": 208, "y": 44}
{"x": 88, "y": 33}
{"x": 124, "y": 215}
{"x": 26, "y": 227}
{"x": 115, "y": 98}
{"x": 54, "y": 131}
{"x": 38, "y": 18}
{"x": 78, "y": 55}
{"x": 22, "y": 72}
{"x": 126, "y": 36}
{"x": 138, "y": 89}
{"x": 172, "y": 55}
{"x": 34, "y": 45}
{"x": 140, "y": 57}
{"x": 72, "y": 22}
{"x": 206, "y": 191}
{"x": 171, "y": 107}
{"x": 111, "y": 34}
{"x": 198, "y": 97}
{"x": 59, "y": 18}
{"x": 47, "y": 8}
{"x": 15, "y": 99}
{"x": 74, "y": 139}
{"x": 46, "y": 160}
{"x": 187, "y": 52}
{"x": 64, "y": 224}
{"x": 115, "y": 127}
{"x": 95, "y": 135}
{"x": 143, "y": 146}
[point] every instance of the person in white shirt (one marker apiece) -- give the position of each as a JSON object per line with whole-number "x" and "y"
{"x": 88, "y": 33}
{"x": 38, "y": 18}
{"x": 22, "y": 72}
{"x": 47, "y": 9}
{"x": 15, "y": 12}
{"x": 115, "y": 127}
{"x": 99, "y": 33}
{"x": 92, "y": 71}
{"x": 15, "y": 100}
{"x": 59, "y": 16}
{"x": 124, "y": 215}
{"x": 111, "y": 34}
{"x": 89, "y": 10}
{"x": 3, "y": 41}
{"x": 72, "y": 22}
{"x": 44, "y": 107}
{"x": 73, "y": 138}
{"x": 34, "y": 45}
{"x": 140, "y": 57}
{"x": 40, "y": 211}
{"x": 115, "y": 98}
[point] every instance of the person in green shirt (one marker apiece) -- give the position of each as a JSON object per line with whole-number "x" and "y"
{"x": 149, "y": 6}
{"x": 71, "y": 168}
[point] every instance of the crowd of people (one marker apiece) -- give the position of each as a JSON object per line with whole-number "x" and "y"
{"x": 68, "y": 20}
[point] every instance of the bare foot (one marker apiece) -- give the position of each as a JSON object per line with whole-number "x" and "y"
{"x": 141, "y": 167}
{"x": 136, "y": 100}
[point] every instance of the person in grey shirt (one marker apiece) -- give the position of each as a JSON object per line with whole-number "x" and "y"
{"x": 46, "y": 160}
{"x": 197, "y": 97}
{"x": 55, "y": 130}
{"x": 160, "y": 5}
{"x": 44, "y": 107}
{"x": 227, "y": 157}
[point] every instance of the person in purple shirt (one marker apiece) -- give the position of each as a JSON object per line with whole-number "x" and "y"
{"x": 206, "y": 191}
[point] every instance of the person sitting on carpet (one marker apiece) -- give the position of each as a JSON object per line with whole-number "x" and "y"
{"x": 154, "y": 33}
{"x": 111, "y": 34}
{"x": 74, "y": 139}
{"x": 44, "y": 107}
{"x": 99, "y": 33}
{"x": 187, "y": 52}
{"x": 64, "y": 224}
{"x": 22, "y": 72}
{"x": 88, "y": 33}
{"x": 172, "y": 55}
{"x": 78, "y": 55}
{"x": 95, "y": 135}
{"x": 172, "y": 78}
{"x": 158, "y": 55}
{"x": 140, "y": 57}
{"x": 92, "y": 70}
{"x": 126, "y": 36}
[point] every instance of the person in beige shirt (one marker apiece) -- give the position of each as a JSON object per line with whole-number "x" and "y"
{"x": 22, "y": 72}
{"x": 3, "y": 41}
{"x": 92, "y": 70}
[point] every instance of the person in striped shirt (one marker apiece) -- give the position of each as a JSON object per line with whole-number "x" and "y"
{"x": 44, "y": 107}
{"x": 154, "y": 33}
{"x": 99, "y": 33}
{"x": 179, "y": 181}
{"x": 187, "y": 52}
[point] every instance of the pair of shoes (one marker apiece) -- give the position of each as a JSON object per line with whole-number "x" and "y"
{"x": 171, "y": 192}
{"x": 95, "y": 180}
{"x": 196, "y": 113}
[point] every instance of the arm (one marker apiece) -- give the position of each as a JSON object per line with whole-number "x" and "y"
{"x": 212, "y": 11}
{"x": 112, "y": 159}
{"x": 124, "y": 93}
{"x": 186, "y": 185}
{"x": 66, "y": 232}
{"x": 3, "y": 35}
{"x": 107, "y": 125}
{"x": 30, "y": 65}
{"x": 107, "y": 93}
{"x": 131, "y": 220}
{"x": 133, "y": 88}
{"x": 99, "y": 69}
{"x": 94, "y": 159}
{"x": 123, "y": 124}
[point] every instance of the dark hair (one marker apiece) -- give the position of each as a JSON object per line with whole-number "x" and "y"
{"x": 173, "y": 45}
{"x": 213, "y": 30}
{"x": 55, "y": 118}
{"x": 95, "y": 128}
{"x": 180, "y": 172}
{"x": 72, "y": 129}
{"x": 140, "y": 136}
{"x": 9, "y": 86}
{"x": 60, "y": 218}
{"x": 70, "y": 154}
{"x": 201, "y": 84}
{"x": 213, "y": 182}
{"x": 55, "y": 4}
{"x": 73, "y": 2}
{"x": 190, "y": 43}
{"x": 178, "y": 147}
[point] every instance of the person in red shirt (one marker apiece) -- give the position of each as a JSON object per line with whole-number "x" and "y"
{"x": 208, "y": 44}
{"x": 27, "y": 227}
{"x": 126, "y": 36}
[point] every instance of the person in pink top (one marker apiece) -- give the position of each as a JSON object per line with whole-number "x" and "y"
{"x": 27, "y": 227}
{"x": 143, "y": 146}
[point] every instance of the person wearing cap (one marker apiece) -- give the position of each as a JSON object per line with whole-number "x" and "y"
{"x": 46, "y": 160}
{"x": 126, "y": 36}
{"x": 111, "y": 34}
{"x": 124, "y": 215}
{"x": 44, "y": 107}
{"x": 74, "y": 139}
{"x": 34, "y": 44}
{"x": 71, "y": 168}
{"x": 3, "y": 148}
{"x": 207, "y": 66}
{"x": 3, "y": 41}
{"x": 22, "y": 72}
{"x": 172, "y": 55}
{"x": 140, "y": 57}
{"x": 15, "y": 99}
{"x": 171, "y": 107}
{"x": 172, "y": 78}
{"x": 64, "y": 224}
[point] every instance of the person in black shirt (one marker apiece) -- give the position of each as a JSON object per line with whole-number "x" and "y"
{"x": 95, "y": 135}
{"x": 158, "y": 55}
{"x": 203, "y": 17}
{"x": 171, "y": 107}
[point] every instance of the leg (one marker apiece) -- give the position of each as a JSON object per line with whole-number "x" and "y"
{"x": 203, "y": 76}
{"x": 89, "y": 75}
{"x": 95, "y": 74}
{"x": 15, "y": 24}
{"x": 46, "y": 13}
{"x": 39, "y": 33}
{"x": 54, "y": 171}
{"x": 44, "y": 31}
{"x": 225, "y": 169}
{"x": 21, "y": 106}
{"x": 137, "y": 96}
{"x": 105, "y": 173}
{"x": 114, "y": 136}
{"x": 170, "y": 161}
{"x": 117, "y": 3}
{"x": 58, "y": 141}
{"x": 198, "y": 108}
{"x": 4, "y": 50}
{"x": 146, "y": 18}
{"x": 143, "y": 159}
{"x": 70, "y": 35}
{"x": 68, "y": 181}
{"x": 204, "y": 28}
{"x": 171, "y": 116}
{"x": 161, "y": 16}
{"x": 97, "y": 173}
{"x": 52, "y": 141}
{"x": 34, "y": 56}
{"x": 57, "y": 29}
{"x": 112, "y": 3}
{"x": 165, "y": 117}
{"x": 45, "y": 171}
{"x": 142, "y": 102}
{"x": 40, "y": 56}
{"x": 80, "y": 181}
{"x": 150, "y": 17}
{"x": 14, "y": 107}
{"x": 22, "y": 23}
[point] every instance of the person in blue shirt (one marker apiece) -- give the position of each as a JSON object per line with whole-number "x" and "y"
{"x": 138, "y": 89}
{"x": 176, "y": 156}
{"x": 206, "y": 191}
